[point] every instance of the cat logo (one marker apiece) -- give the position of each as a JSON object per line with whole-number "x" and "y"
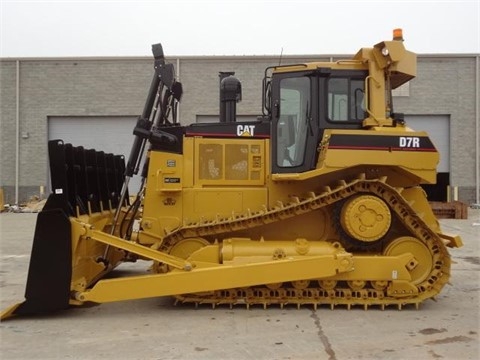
{"x": 245, "y": 130}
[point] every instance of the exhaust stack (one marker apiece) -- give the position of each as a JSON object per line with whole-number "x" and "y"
{"x": 230, "y": 94}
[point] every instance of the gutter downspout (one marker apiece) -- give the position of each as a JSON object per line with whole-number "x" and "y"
{"x": 477, "y": 130}
{"x": 178, "y": 79}
{"x": 17, "y": 130}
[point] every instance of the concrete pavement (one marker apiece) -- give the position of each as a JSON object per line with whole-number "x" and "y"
{"x": 155, "y": 329}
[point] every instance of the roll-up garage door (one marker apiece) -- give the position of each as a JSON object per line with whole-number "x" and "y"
{"x": 111, "y": 134}
{"x": 438, "y": 128}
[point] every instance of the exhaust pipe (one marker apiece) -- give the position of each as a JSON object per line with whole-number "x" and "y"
{"x": 230, "y": 95}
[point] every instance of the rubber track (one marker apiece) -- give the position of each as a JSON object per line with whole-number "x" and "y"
{"x": 366, "y": 297}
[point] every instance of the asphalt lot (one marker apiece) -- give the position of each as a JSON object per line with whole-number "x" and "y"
{"x": 156, "y": 329}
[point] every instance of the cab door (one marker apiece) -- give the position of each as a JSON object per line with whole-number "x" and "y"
{"x": 295, "y": 125}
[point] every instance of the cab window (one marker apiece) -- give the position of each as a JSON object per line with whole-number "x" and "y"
{"x": 346, "y": 99}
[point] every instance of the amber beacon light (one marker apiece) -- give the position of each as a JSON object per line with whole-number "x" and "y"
{"x": 398, "y": 34}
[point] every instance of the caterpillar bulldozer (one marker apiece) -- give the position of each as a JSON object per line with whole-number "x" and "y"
{"x": 317, "y": 202}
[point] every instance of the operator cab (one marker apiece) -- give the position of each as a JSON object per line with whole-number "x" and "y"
{"x": 301, "y": 104}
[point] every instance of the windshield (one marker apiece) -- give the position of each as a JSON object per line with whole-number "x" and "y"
{"x": 293, "y": 122}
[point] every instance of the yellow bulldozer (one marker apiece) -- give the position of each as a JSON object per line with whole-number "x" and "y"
{"x": 317, "y": 202}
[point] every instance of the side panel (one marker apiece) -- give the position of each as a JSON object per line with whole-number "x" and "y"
{"x": 208, "y": 203}
{"x": 411, "y": 152}
{"x": 229, "y": 162}
{"x": 228, "y": 177}
{"x": 163, "y": 209}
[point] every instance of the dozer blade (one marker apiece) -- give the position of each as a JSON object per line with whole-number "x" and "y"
{"x": 50, "y": 270}
{"x": 84, "y": 181}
